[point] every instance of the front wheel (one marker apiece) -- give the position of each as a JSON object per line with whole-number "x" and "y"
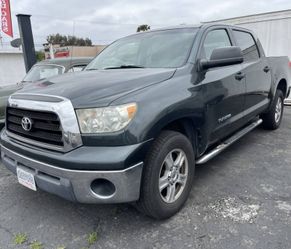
{"x": 273, "y": 118}
{"x": 167, "y": 176}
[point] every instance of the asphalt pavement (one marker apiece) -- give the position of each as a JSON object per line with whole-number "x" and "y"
{"x": 240, "y": 199}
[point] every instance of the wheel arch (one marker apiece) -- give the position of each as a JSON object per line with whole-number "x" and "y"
{"x": 187, "y": 127}
{"x": 282, "y": 85}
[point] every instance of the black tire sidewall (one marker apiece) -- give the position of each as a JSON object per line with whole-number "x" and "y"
{"x": 269, "y": 121}
{"x": 153, "y": 165}
{"x": 278, "y": 95}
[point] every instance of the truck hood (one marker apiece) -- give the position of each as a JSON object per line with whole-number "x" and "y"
{"x": 100, "y": 87}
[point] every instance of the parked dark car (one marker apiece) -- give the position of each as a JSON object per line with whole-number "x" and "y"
{"x": 40, "y": 71}
{"x": 132, "y": 126}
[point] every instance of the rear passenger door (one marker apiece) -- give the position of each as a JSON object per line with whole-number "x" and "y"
{"x": 257, "y": 73}
{"x": 223, "y": 93}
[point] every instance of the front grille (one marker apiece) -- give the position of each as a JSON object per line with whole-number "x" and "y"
{"x": 46, "y": 126}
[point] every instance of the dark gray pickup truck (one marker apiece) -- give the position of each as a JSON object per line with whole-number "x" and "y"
{"x": 132, "y": 126}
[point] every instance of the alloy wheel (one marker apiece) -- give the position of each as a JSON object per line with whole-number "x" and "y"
{"x": 173, "y": 175}
{"x": 278, "y": 110}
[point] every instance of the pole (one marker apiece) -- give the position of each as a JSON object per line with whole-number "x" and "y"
{"x": 52, "y": 55}
{"x": 26, "y": 36}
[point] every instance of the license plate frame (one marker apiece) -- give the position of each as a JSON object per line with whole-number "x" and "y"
{"x": 26, "y": 179}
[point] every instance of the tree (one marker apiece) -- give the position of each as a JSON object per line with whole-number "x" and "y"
{"x": 64, "y": 40}
{"x": 143, "y": 27}
{"x": 39, "y": 55}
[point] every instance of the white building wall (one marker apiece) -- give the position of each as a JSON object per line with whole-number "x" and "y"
{"x": 275, "y": 36}
{"x": 273, "y": 29}
{"x": 12, "y": 68}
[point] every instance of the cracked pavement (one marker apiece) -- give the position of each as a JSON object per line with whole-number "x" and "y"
{"x": 240, "y": 199}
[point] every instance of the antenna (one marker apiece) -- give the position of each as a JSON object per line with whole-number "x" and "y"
{"x": 73, "y": 44}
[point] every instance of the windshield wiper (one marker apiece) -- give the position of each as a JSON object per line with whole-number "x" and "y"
{"x": 124, "y": 66}
{"x": 91, "y": 69}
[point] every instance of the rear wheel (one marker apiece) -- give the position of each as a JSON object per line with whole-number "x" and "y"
{"x": 167, "y": 176}
{"x": 273, "y": 118}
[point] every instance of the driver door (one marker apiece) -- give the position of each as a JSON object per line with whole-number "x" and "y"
{"x": 224, "y": 91}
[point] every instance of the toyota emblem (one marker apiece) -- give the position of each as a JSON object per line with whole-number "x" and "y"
{"x": 26, "y": 123}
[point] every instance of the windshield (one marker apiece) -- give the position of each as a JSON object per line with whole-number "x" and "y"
{"x": 39, "y": 72}
{"x": 159, "y": 49}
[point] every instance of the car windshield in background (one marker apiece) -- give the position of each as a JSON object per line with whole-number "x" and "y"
{"x": 39, "y": 72}
{"x": 158, "y": 49}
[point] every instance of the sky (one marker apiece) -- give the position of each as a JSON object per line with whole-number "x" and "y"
{"x": 107, "y": 20}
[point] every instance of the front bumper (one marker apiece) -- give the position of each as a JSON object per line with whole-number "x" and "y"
{"x": 91, "y": 158}
{"x": 85, "y": 186}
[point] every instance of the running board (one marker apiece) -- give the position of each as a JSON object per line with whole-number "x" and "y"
{"x": 205, "y": 158}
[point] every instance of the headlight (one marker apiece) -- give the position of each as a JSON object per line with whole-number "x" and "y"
{"x": 107, "y": 119}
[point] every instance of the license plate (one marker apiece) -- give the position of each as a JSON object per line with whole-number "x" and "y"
{"x": 26, "y": 179}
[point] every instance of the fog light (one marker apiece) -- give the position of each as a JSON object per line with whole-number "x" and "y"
{"x": 103, "y": 188}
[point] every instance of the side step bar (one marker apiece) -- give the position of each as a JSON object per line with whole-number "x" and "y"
{"x": 205, "y": 158}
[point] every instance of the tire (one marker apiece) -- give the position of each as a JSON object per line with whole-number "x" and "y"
{"x": 175, "y": 184}
{"x": 272, "y": 119}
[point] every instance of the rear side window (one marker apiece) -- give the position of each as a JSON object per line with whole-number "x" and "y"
{"x": 214, "y": 39}
{"x": 247, "y": 44}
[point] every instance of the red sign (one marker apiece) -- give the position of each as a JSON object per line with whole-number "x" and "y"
{"x": 62, "y": 54}
{"x": 6, "y": 22}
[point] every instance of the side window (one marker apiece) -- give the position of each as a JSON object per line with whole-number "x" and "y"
{"x": 214, "y": 39}
{"x": 247, "y": 44}
{"x": 76, "y": 68}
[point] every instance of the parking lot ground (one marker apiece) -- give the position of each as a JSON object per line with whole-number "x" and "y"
{"x": 241, "y": 199}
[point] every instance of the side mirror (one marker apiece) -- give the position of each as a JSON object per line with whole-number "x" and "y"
{"x": 223, "y": 57}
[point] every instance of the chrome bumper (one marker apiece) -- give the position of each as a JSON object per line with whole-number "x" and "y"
{"x": 77, "y": 185}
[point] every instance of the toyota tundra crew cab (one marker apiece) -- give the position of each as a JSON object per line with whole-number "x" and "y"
{"x": 146, "y": 110}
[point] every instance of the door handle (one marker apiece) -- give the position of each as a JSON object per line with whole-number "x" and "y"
{"x": 239, "y": 76}
{"x": 266, "y": 69}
